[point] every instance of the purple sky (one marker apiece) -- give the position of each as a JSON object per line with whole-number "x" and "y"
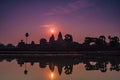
{"x": 80, "y": 18}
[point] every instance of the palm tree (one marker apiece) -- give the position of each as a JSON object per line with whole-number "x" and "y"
{"x": 25, "y": 71}
{"x": 26, "y": 35}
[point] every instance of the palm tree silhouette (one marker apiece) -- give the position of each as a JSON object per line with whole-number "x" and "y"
{"x": 26, "y": 35}
{"x": 25, "y": 71}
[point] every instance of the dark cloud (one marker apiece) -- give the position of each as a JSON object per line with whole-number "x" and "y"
{"x": 71, "y": 7}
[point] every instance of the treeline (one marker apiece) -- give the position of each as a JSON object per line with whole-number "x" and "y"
{"x": 66, "y": 44}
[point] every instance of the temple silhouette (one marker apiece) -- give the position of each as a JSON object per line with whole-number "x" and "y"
{"x": 65, "y": 43}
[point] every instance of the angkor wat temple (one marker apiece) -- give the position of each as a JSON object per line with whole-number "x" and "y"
{"x": 66, "y": 44}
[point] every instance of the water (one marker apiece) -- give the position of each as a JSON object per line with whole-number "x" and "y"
{"x": 70, "y": 67}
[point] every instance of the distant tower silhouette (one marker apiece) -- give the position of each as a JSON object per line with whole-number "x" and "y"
{"x": 52, "y": 39}
{"x": 60, "y": 37}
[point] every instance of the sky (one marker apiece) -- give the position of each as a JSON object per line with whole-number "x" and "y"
{"x": 81, "y": 18}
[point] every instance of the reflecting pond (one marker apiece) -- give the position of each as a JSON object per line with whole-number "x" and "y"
{"x": 59, "y": 67}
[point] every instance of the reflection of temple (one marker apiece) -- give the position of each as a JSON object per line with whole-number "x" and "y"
{"x": 51, "y": 62}
{"x": 98, "y": 66}
{"x": 65, "y": 63}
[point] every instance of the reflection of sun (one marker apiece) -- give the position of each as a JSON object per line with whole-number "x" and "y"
{"x": 51, "y": 75}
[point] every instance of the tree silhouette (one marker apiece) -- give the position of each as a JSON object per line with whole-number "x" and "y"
{"x": 101, "y": 40}
{"x": 68, "y": 69}
{"x": 2, "y": 46}
{"x": 26, "y": 35}
{"x": 10, "y": 46}
{"x": 43, "y": 41}
{"x": 68, "y": 38}
{"x": 114, "y": 41}
{"x": 32, "y": 43}
{"x": 25, "y": 71}
{"x": 102, "y": 37}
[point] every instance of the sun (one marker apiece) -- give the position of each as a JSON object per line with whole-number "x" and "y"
{"x": 52, "y": 31}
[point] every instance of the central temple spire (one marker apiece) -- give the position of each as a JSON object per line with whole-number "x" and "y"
{"x": 60, "y": 36}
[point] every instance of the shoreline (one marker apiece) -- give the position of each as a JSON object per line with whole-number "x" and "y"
{"x": 61, "y": 52}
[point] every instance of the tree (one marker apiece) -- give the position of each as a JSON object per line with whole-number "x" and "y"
{"x": 101, "y": 40}
{"x": 114, "y": 41}
{"x": 102, "y": 37}
{"x": 10, "y": 46}
{"x": 32, "y": 43}
{"x": 2, "y": 46}
{"x": 26, "y": 35}
{"x": 21, "y": 44}
{"x": 43, "y": 41}
{"x": 68, "y": 69}
{"x": 68, "y": 38}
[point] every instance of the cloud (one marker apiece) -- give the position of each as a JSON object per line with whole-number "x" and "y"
{"x": 71, "y": 7}
{"x": 47, "y": 25}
